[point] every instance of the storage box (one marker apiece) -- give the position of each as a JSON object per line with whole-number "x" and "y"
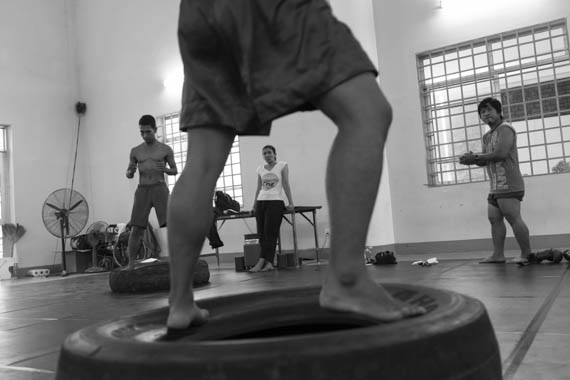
{"x": 291, "y": 260}
{"x": 77, "y": 261}
{"x": 239, "y": 263}
{"x": 282, "y": 260}
{"x": 286, "y": 260}
{"x": 251, "y": 253}
{"x": 250, "y": 239}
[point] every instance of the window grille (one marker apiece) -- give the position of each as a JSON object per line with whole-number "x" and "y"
{"x": 230, "y": 178}
{"x": 527, "y": 69}
{"x": 4, "y": 180}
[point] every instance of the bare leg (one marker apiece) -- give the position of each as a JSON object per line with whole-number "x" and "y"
{"x": 162, "y": 237}
{"x": 190, "y": 218}
{"x": 511, "y": 209}
{"x": 363, "y": 116}
{"x": 498, "y": 234}
{"x": 258, "y": 266}
{"x": 135, "y": 241}
{"x": 260, "y": 224}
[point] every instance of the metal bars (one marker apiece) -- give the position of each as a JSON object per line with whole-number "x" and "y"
{"x": 230, "y": 178}
{"x": 528, "y": 69}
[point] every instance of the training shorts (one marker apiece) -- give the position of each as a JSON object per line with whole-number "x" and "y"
{"x": 248, "y": 62}
{"x": 147, "y": 197}
{"x": 492, "y": 198}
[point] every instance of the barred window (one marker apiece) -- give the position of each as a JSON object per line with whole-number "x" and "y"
{"x": 527, "y": 69}
{"x": 4, "y": 183}
{"x": 230, "y": 178}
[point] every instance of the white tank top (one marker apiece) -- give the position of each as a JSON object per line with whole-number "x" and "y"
{"x": 272, "y": 183}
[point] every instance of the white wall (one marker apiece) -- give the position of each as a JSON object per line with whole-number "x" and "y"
{"x": 114, "y": 55}
{"x": 405, "y": 28}
{"x": 126, "y": 49}
{"x": 37, "y": 97}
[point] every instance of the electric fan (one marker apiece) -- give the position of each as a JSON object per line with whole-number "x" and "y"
{"x": 96, "y": 234}
{"x": 65, "y": 213}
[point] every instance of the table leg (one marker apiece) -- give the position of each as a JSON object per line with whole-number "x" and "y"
{"x": 217, "y": 250}
{"x": 296, "y": 255}
{"x": 316, "y": 235}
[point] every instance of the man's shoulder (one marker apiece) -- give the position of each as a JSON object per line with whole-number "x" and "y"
{"x": 137, "y": 147}
{"x": 163, "y": 146}
{"x": 505, "y": 127}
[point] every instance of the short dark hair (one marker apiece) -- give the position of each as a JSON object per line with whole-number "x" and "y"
{"x": 493, "y": 102}
{"x": 147, "y": 120}
{"x": 269, "y": 147}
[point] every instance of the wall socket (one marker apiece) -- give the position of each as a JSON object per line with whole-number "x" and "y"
{"x": 43, "y": 272}
{"x": 327, "y": 231}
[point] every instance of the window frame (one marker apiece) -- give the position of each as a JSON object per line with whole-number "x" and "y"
{"x": 230, "y": 180}
{"x": 5, "y": 184}
{"x": 453, "y": 79}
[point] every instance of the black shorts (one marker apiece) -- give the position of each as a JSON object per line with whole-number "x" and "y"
{"x": 248, "y": 62}
{"x": 492, "y": 198}
{"x": 147, "y": 197}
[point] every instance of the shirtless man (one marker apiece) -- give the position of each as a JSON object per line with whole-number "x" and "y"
{"x": 151, "y": 158}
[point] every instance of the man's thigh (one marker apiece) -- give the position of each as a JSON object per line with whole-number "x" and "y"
{"x": 160, "y": 196}
{"x": 510, "y": 207}
{"x": 141, "y": 207}
{"x": 494, "y": 212}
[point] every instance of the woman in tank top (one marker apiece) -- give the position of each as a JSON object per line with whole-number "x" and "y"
{"x": 273, "y": 191}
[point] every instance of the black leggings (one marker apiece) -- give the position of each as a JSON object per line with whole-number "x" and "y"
{"x": 268, "y": 215}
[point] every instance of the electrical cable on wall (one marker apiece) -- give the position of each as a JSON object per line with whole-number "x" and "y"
{"x": 80, "y": 108}
{"x": 66, "y": 220}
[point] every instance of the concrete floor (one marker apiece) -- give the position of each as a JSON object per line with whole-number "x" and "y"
{"x": 529, "y": 308}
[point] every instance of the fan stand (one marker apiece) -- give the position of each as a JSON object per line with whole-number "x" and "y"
{"x": 62, "y": 215}
{"x": 61, "y": 225}
{"x": 94, "y": 267}
{"x": 94, "y": 238}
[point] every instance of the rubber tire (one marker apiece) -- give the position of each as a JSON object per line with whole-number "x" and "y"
{"x": 284, "y": 334}
{"x": 152, "y": 277}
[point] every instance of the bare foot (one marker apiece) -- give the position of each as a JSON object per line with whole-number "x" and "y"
{"x": 366, "y": 298}
{"x": 493, "y": 259}
{"x": 521, "y": 261}
{"x": 258, "y": 267}
{"x": 267, "y": 267}
{"x": 182, "y": 318}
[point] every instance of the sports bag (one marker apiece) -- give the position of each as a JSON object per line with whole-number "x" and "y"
{"x": 224, "y": 203}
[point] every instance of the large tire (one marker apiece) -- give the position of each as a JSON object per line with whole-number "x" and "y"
{"x": 152, "y": 277}
{"x": 284, "y": 334}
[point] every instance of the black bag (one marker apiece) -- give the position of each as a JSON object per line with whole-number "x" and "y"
{"x": 385, "y": 258}
{"x": 80, "y": 243}
{"x": 225, "y": 203}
